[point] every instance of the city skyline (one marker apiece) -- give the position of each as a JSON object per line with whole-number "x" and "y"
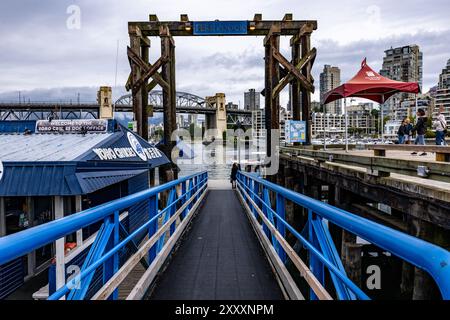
{"x": 65, "y": 61}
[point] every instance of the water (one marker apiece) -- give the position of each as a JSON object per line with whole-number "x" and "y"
{"x": 215, "y": 158}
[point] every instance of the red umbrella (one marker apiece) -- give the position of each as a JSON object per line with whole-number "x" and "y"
{"x": 370, "y": 85}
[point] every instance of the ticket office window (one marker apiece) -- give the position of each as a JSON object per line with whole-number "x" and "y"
{"x": 16, "y": 214}
{"x": 17, "y": 218}
{"x": 43, "y": 213}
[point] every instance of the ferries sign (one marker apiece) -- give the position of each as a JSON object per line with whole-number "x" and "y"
{"x": 217, "y": 28}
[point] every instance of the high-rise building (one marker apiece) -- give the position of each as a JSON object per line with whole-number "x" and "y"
{"x": 443, "y": 92}
{"x": 252, "y": 100}
{"x": 444, "y": 77}
{"x": 401, "y": 64}
{"x": 330, "y": 78}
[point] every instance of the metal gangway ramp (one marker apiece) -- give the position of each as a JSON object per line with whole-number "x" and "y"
{"x": 220, "y": 258}
{"x": 203, "y": 243}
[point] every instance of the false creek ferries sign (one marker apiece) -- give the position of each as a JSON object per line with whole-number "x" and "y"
{"x": 71, "y": 126}
{"x": 136, "y": 150}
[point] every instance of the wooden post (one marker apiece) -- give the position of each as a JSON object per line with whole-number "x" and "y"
{"x": 306, "y": 95}
{"x": 144, "y": 94}
{"x": 424, "y": 287}
{"x": 296, "y": 101}
{"x": 169, "y": 97}
{"x": 2, "y": 217}
{"x": 335, "y": 231}
{"x": 350, "y": 250}
{"x": 272, "y": 77}
{"x": 59, "y": 246}
{"x": 135, "y": 45}
{"x": 79, "y": 208}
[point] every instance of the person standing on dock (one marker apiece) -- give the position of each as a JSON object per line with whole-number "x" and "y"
{"x": 233, "y": 177}
{"x": 401, "y": 133}
{"x": 440, "y": 125}
{"x": 420, "y": 128}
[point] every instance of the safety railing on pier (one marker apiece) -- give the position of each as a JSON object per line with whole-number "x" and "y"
{"x": 270, "y": 222}
{"x": 163, "y": 227}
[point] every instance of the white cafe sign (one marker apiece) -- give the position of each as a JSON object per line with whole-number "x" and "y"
{"x": 135, "y": 150}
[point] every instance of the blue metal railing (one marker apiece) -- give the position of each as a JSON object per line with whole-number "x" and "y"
{"x": 104, "y": 252}
{"x": 317, "y": 239}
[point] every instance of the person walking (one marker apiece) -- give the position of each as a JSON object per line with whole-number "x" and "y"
{"x": 440, "y": 125}
{"x": 420, "y": 129}
{"x": 233, "y": 176}
{"x": 401, "y": 132}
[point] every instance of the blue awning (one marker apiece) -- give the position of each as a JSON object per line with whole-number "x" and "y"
{"x": 44, "y": 179}
{"x": 93, "y": 181}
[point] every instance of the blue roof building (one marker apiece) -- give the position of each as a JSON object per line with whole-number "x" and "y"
{"x": 49, "y": 169}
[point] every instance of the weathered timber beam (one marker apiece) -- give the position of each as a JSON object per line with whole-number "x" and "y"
{"x": 145, "y": 42}
{"x": 292, "y": 69}
{"x": 152, "y": 85}
{"x": 151, "y": 71}
{"x": 145, "y": 67}
{"x": 177, "y": 28}
{"x": 135, "y": 31}
{"x": 305, "y": 29}
{"x": 289, "y": 77}
{"x": 287, "y": 17}
{"x": 274, "y": 30}
{"x": 164, "y": 31}
{"x": 153, "y": 18}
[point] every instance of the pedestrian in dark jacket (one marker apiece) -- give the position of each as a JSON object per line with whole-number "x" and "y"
{"x": 233, "y": 177}
{"x": 420, "y": 128}
{"x": 401, "y": 133}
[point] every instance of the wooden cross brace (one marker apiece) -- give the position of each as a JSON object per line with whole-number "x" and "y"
{"x": 148, "y": 71}
{"x": 294, "y": 71}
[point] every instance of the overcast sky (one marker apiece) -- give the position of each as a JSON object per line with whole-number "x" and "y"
{"x": 46, "y": 60}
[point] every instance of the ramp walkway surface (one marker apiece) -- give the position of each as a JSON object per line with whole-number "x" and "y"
{"x": 220, "y": 257}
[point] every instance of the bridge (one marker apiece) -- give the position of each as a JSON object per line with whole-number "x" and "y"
{"x": 191, "y": 246}
{"x": 185, "y": 103}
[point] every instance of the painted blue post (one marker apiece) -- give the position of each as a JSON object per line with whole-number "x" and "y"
{"x": 255, "y": 197}
{"x": 190, "y": 193}
{"x": 108, "y": 265}
{"x": 196, "y": 187}
{"x": 266, "y": 199}
{"x": 185, "y": 198}
{"x": 153, "y": 227}
{"x": 281, "y": 211}
{"x": 115, "y": 294}
{"x": 315, "y": 264}
{"x": 172, "y": 198}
